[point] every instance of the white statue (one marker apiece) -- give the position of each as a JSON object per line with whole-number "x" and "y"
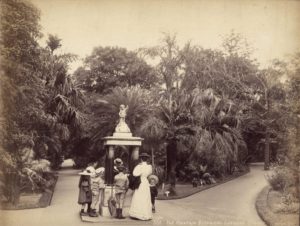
{"x": 122, "y": 127}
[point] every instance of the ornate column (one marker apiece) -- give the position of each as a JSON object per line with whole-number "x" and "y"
{"x": 109, "y": 165}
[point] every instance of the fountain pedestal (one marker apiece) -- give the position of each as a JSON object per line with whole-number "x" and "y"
{"x": 118, "y": 139}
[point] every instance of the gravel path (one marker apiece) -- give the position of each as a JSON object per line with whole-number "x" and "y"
{"x": 232, "y": 203}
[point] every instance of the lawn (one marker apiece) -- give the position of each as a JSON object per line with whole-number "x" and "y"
{"x": 186, "y": 189}
{"x": 275, "y": 213}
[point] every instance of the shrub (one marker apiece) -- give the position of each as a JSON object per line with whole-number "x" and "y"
{"x": 160, "y": 173}
{"x": 21, "y": 173}
{"x": 281, "y": 178}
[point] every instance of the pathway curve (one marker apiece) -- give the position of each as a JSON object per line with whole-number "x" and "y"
{"x": 232, "y": 203}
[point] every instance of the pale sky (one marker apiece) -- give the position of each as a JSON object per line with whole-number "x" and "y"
{"x": 271, "y": 27}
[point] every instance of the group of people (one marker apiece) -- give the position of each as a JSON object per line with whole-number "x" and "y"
{"x": 142, "y": 181}
{"x": 91, "y": 190}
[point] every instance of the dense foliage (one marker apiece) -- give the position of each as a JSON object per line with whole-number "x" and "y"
{"x": 213, "y": 110}
{"x": 199, "y": 110}
{"x": 38, "y": 101}
{"x": 109, "y": 67}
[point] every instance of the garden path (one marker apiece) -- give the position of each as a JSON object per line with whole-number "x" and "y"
{"x": 232, "y": 203}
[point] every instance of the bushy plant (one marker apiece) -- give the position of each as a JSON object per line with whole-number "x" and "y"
{"x": 160, "y": 173}
{"x": 20, "y": 172}
{"x": 281, "y": 178}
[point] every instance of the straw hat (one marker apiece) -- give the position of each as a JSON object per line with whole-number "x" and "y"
{"x": 153, "y": 177}
{"x": 90, "y": 169}
{"x": 118, "y": 161}
{"x": 100, "y": 170}
{"x": 85, "y": 173}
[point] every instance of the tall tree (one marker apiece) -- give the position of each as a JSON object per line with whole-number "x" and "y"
{"x": 109, "y": 67}
{"x": 53, "y": 42}
{"x": 63, "y": 105}
{"x": 20, "y": 31}
{"x": 37, "y": 98}
{"x": 169, "y": 60}
{"x": 21, "y": 92}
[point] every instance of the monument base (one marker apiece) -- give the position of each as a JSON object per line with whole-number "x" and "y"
{"x": 108, "y": 192}
{"x": 122, "y": 134}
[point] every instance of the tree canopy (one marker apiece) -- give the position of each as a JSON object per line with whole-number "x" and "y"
{"x": 109, "y": 67}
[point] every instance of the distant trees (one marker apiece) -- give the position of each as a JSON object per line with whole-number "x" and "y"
{"x": 110, "y": 67}
{"x": 53, "y": 42}
{"x": 284, "y": 118}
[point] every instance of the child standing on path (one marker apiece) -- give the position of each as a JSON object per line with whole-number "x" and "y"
{"x": 85, "y": 193}
{"x": 121, "y": 185}
{"x": 153, "y": 180}
{"x": 97, "y": 187}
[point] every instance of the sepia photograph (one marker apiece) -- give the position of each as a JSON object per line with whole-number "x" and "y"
{"x": 150, "y": 112}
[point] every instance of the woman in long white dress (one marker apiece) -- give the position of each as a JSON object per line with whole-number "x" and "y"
{"x": 141, "y": 207}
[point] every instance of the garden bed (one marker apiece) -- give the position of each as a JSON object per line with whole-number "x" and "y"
{"x": 186, "y": 189}
{"x": 270, "y": 208}
{"x": 33, "y": 200}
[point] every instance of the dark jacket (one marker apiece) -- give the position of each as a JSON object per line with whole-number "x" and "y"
{"x": 85, "y": 193}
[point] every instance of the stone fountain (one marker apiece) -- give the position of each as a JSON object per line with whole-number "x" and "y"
{"x": 121, "y": 137}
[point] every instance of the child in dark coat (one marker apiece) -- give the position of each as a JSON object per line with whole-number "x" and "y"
{"x": 85, "y": 193}
{"x": 153, "y": 180}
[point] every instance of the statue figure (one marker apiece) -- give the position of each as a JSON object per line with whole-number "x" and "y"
{"x": 122, "y": 127}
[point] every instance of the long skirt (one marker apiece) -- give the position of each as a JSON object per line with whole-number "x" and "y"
{"x": 85, "y": 196}
{"x": 141, "y": 207}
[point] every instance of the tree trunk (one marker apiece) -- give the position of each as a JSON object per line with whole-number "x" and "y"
{"x": 15, "y": 191}
{"x": 152, "y": 158}
{"x": 267, "y": 136}
{"x": 171, "y": 165}
{"x": 267, "y": 151}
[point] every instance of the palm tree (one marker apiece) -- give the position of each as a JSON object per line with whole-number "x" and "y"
{"x": 174, "y": 120}
{"x": 62, "y": 120}
{"x": 220, "y": 139}
{"x": 153, "y": 132}
{"x": 102, "y": 114}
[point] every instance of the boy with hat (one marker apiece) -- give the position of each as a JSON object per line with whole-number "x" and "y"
{"x": 121, "y": 185}
{"x": 153, "y": 180}
{"x": 97, "y": 187}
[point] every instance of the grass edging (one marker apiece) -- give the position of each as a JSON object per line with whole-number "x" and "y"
{"x": 262, "y": 208}
{"x": 203, "y": 188}
{"x": 44, "y": 200}
{"x": 268, "y": 216}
